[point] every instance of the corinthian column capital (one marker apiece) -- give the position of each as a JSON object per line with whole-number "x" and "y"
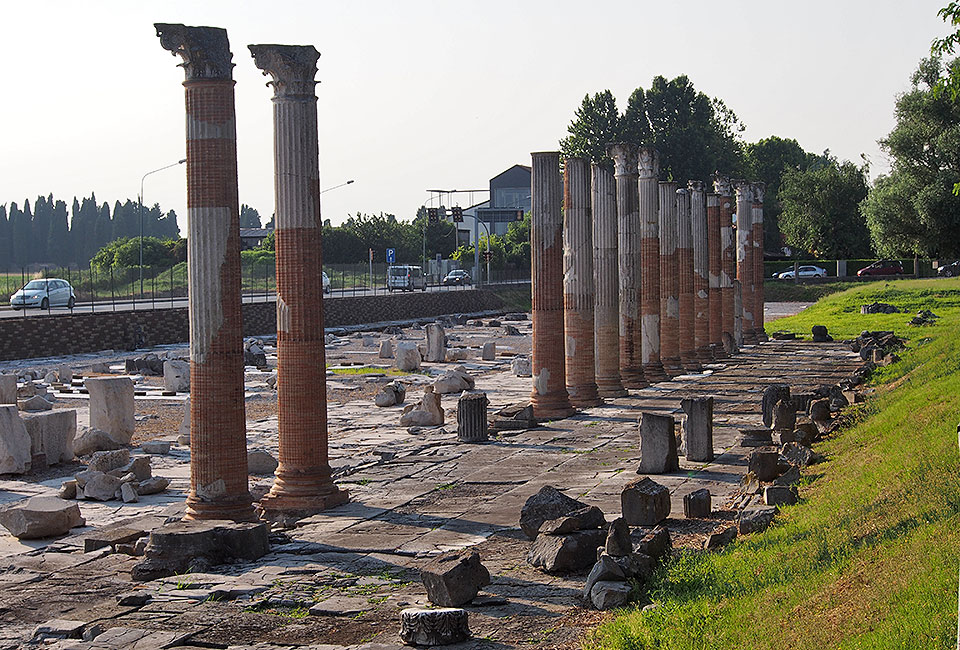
{"x": 721, "y": 185}
{"x": 648, "y": 163}
{"x": 205, "y": 50}
{"x": 744, "y": 190}
{"x": 292, "y": 68}
{"x": 695, "y": 186}
{"x": 758, "y": 191}
{"x": 624, "y": 157}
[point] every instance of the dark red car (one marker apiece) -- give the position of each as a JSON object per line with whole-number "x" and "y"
{"x": 882, "y": 267}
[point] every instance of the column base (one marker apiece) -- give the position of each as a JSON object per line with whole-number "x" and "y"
{"x": 762, "y": 336}
{"x": 716, "y": 349}
{"x": 672, "y": 366}
{"x": 551, "y": 407}
{"x": 633, "y": 378}
{"x": 287, "y": 506}
{"x": 655, "y": 372}
{"x": 237, "y": 509}
{"x": 704, "y": 354}
{"x": 584, "y": 396}
{"x": 613, "y": 390}
{"x": 691, "y": 364}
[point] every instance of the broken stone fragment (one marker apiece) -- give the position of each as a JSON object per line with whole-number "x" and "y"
{"x": 779, "y": 495}
{"x": 696, "y": 505}
{"x": 521, "y": 366}
{"x": 260, "y": 462}
{"x": 582, "y": 519}
{"x": 89, "y": 440}
{"x": 790, "y": 477}
{"x": 566, "y": 553}
{"x": 40, "y": 517}
{"x": 453, "y": 579}
{"x": 644, "y": 502}
{"x": 432, "y": 627}
{"x": 391, "y": 394}
{"x": 618, "y": 538}
{"x": 764, "y": 464}
{"x": 157, "y": 447}
{"x": 772, "y": 395}
{"x": 606, "y": 568}
{"x": 112, "y": 406}
{"x": 755, "y": 520}
{"x": 427, "y": 412}
{"x": 797, "y": 454}
{"x": 658, "y": 444}
{"x": 656, "y": 543}
{"x": 58, "y": 629}
{"x": 98, "y": 486}
{"x": 104, "y": 461}
{"x": 153, "y": 485}
{"x": 15, "y": 445}
{"x": 489, "y": 351}
{"x": 139, "y": 467}
{"x": 386, "y": 349}
{"x": 176, "y": 375}
{"x": 454, "y": 381}
{"x": 51, "y": 434}
{"x": 549, "y": 503}
{"x": 134, "y": 599}
{"x": 129, "y": 493}
{"x": 609, "y": 595}
{"x": 68, "y": 490}
{"x": 721, "y": 538}
{"x": 407, "y": 356}
{"x": 8, "y": 389}
{"x": 35, "y": 403}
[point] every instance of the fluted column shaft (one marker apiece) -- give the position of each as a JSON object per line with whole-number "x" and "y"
{"x": 758, "y": 270}
{"x": 701, "y": 271}
{"x": 218, "y": 442}
{"x": 549, "y": 397}
{"x": 648, "y": 168}
{"x": 728, "y": 255}
{"x": 578, "y": 290}
{"x": 303, "y": 484}
{"x": 716, "y": 303}
{"x": 688, "y": 352}
{"x": 606, "y": 318}
{"x": 669, "y": 280}
{"x": 745, "y": 257}
{"x": 628, "y": 238}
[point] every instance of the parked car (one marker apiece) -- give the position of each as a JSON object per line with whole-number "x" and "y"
{"x": 882, "y": 267}
{"x": 45, "y": 293}
{"x": 405, "y": 278}
{"x": 326, "y": 282}
{"x": 805, "y": 272}
{"x": 456, "y": 276}
{"x": 949, "y": 270}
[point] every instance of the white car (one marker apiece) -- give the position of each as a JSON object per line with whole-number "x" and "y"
{"x": 326, "y": 282}
{"x": 45, "y": 293}
{"x": 805, "y": 272}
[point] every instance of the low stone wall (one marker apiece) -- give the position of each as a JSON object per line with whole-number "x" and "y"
{"x": 54, "y": 335}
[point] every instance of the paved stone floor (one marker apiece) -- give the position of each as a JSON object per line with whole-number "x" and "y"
{"x": 340, "y": 578}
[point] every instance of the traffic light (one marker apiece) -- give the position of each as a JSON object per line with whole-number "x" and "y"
{"x": 433, "y": 215}
{"x": 487, "y": 256}
{"x": 519, "y": 215}
{"x": 457, "y": 214}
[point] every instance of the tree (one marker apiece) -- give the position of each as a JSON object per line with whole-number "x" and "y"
{"x": 596, "y": 123}
{"x": 946, "y": 46}
{"x": 58, "y": 237}
{"x": 821, "y": 211}
{"x": 914, "y": 210}
{"x": 249, "y": 217}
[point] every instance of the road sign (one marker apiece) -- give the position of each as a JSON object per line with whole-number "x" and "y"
{"x": 391, "y": 255}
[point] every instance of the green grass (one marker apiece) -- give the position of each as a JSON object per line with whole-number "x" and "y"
{"x": 785, "y": 291}
{"x": 366, "y": 370}
{"x": 869, "y": 557}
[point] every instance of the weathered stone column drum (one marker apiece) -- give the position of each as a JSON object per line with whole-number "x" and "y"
{"x": 648, "y": 169}
{"x": 628, "y": 238}
{"x": 218, "y": 441}
{"x": 728, "y": 254}
{"x": 549, "y": 397}
{"x": 688, "y": 353}
{"x": 758, "y": 270}
{"x": 303, "y": 485}
{"x": 578, "y": 293}
{"x": 669, "y": 280}
{"x": 701, "y": 271}
{"x": 713, "y": 245}
{"x": 472, "y": 417}
{"x": 745, "y": 257}
{"x": 606, "y": 278}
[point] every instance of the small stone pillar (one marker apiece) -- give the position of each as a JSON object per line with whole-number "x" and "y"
{"x": 698, "y": 428}
{"x": 701, "y": 271}
{"x": 688, "y": 351}
{"x": 658, "y": 444}
{"x": 472, "y": 417}
{"x": 436, "y": 343}
{"x": 745, "y": 257}
{"x": 715, "y": 271}
{"x": 648, "y": 168}
{"x": 758, "y": 273}
{"x": 728, "y": 254}
{"x": 628, "y": 241}
{"x": 549, "y": 397}
{"x": 304, "y": 484}
{"x": 578, "y": 292}
{"x": 218, "y": 438}
{"x": 669, "y": 280}
{"x": 8, "y": 389}
{"x": 606, "y": 276}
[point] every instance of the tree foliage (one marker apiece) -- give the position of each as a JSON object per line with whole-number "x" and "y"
{"x": 125, "y": 252}
{"x": 249, "y": 217}
{"x": 947, "y": 46}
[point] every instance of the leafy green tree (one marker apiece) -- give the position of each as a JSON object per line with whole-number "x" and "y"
{"x": 249, "y": 217}
{"x": 58, "y": 236}
{"x": 946, "y": 46}
{"x": 125, "y": 253}
{"x": 596, "y": 123}
{"x": 821, "y": 210}
{"x": 6, "y": 241}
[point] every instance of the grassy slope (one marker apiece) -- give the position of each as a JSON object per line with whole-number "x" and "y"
{"x": 869, "y": 558}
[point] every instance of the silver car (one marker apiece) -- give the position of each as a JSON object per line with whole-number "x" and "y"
{"x": 45, "y": 293}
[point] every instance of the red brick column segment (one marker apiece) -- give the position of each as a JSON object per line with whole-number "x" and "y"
{"x": 303, "y": 485}
{"x": 628, "y": 239}
{"x": 745, "y": 257}
{"x": 669, "y": 280}
{"x": 688, "y": 351}
{"x": 578, "y": 290}
{"x": 648, "y": 190}
{"x": 218, "y": 442}
{"x": 606, "y": 318}
{"x": 713, "y": 254}
{"x": 728, "y": 254}
{"x": 701, "y": 271}
{"x": 549, "y": 397}
{"x": 758, "y": 273}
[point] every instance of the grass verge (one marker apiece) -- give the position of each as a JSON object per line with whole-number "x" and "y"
{"x": 785, "y": 291}
{"x": 869, "y": 557}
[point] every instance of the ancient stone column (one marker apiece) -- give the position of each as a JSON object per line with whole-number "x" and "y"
{"x": 303, "y": 485}
{"x": 713, "y": 246}
{"x": 701, "y": 271}
{"x": 606, "y": 277}
{"x": 745, "y": 256}
{"x": 688, "y": 351}
{"x": 218, "y": 441}
{"x": 728, "y": 254}
{"x": 578, "y": 293}
{"x": 758, "y": 272}
{"x": 628, "y": 239}
{"x": 648, "y": 168}
{"x": 549, "y": 397}
{"x": 669, "y": 280}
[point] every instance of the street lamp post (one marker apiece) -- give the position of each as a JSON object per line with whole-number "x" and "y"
{"x": 140, "y": 201}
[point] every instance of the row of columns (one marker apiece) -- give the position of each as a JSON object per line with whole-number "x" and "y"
{"x": 650, "y": 272}
{"x": 218, "y": 469}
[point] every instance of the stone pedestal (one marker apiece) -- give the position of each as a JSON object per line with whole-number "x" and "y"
{"x": 8, "y": 389}
{"x": 433, "y": 627}
{"x": 701, "y": 271}
{"x": 303, "y": 485}
{"x": 606, "y": 317}
{"x": 112, "y": 406}
{"x": 745, "y": 258}
{"x": 436, "y": 344}
{"x": 648, "y": 168}
{"x": 549, "y": 397}
{"x": 669, "y": 280}
{"x": 698, "y": 428}
{"x": 728, "y": 257}
{"x": 218, "y": 467}
{"x": 472, "y": 417}
{"x": 578, "y": 289}
{"x": 715, "y": 271}
{"x": 628, "y": 241}
{"x": 688, "y": 351}
{"x": 658, "y": 444}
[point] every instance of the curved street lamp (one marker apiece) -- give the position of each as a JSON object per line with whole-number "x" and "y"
{"x": 140, "y": 201}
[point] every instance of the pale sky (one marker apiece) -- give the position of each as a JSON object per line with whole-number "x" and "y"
{"x": 416, "y": 95}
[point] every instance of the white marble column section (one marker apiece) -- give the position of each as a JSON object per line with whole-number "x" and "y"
{"x": 669, "y": 280}
{"x": 701, "y": 271}
{"x": 758, "y": 269}
{"x": 606, "y": 277}
{"x": 745, "y": 256}
{"x": 688, "y": 351}
{"x": 648, "y": 190}
{"x": 728, "y": 261}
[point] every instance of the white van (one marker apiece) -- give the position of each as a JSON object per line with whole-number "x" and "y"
{"x": 406, "y": 278}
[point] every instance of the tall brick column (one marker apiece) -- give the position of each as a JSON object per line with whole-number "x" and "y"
{"x": 607, "y": 282}
{"x": 728, "y": 253}
{"x": 758, "y": 273}
{"x": 578, "y": 291}
{"x": 549, "y": 397}
{"x": 669, "y": 280}
{"x": 628, "y": 238}
{"x": 303, "y": 485}
{"x": 713, "y": 246}
{"x": 648, "y": 172}
{"x": 688, "y": 351}
{"x": 701, "y": 271}
{"x": 745, "y": 256}
{"x": 218, "y": 440}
